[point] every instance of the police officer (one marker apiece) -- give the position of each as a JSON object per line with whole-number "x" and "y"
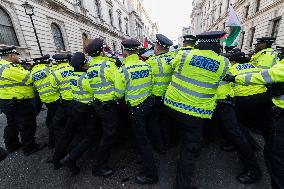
{"x": 162, "y": 75}
{"x": 274, "y": 153}
{"x": 41, "y": 73}
{"x": 100, "y": 82}
{"x": 60, "y": 80}
{"x": 189, "y": 42}
{"x": 135, "y": 83}
{"x": 191, "y": 97}
{"x": 16, "y": 93}
{"x": 80, "y": 119}
{"x": 265, "y": 57}
{"x": 225, "y": 115}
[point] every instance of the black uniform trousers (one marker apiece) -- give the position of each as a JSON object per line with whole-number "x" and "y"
{"x": 107, "y": 112}
{"x": 60, "y": 119}
{"x": 274, "y": 155}
{"x": 51, "y": 110}
{"x": 226, "y": 117}
{"x": 191, "y": 138}
{"x": 80, "y": 120}
{"x": 21, "y": 119}
{"x": 138, "y": 116}
{"x": 158, "y": 124}
{"x": 255, "y": 112}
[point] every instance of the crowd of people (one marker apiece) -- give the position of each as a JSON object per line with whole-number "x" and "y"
{"x": 169, "y": 98}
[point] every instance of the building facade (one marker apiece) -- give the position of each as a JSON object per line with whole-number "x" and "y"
{"x": 63, "y": 26}
{"x": 259, "y": 18}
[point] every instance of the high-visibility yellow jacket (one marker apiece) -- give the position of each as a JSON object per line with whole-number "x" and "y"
{"x": 162, "y": 73}
{"x": 134, "y": 80}
{"x": 193, "y": 88}
{"x": 246, "y": 90}
{"x": 265, "y": 58}
{"x": 101, "y": 78}
{"x": 79, "y": 93}
{"x": 15, "y": 81}
{"x": 60, "y": 80}
{"x": 41, "y": 74}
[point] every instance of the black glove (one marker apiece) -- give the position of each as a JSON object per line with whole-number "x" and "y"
{"x": 229, "y": 78}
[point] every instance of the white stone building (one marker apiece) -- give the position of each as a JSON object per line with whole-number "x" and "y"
{"x": 258, "y": 18}
{"x": 64, "y": 25}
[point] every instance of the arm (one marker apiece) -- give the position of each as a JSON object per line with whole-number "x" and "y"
{"x": 120, "y": 83}
{"x": 272, "y": 75}
{"x": 16, "y": 74}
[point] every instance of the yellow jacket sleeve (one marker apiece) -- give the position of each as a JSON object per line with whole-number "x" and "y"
{"x": 120, "y": 83}
{"x": 15, "y": 73}
{"x": 273, "y": 75}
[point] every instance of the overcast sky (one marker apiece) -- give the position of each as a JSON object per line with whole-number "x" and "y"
{"x": 171, "y": 15}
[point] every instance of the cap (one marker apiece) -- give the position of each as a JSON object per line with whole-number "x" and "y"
{"x": 95, "y": 47}
{"x": 279, "y": 48}
{"x": 78, "y": 59}
{"x": 189, "y": 38}
{"x": 265, "y": 40}
{"x": 62, "y": 57}
{"x": 163, "y": 41}
{"x": 131, "y": 44}
{"x": 8, "y": 50}
{"x": 211, "y": 36}
{"x": 42, "y": 60}
{"x": 237, "y": 56}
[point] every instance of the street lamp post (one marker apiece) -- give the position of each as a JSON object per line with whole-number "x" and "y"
{"x": 29, "y": 9}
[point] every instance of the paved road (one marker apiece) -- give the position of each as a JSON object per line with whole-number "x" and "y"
{"x": 215, "y": 169}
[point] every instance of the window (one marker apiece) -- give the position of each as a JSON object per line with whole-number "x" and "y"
{"x": 7, "y": 32}
{"x": 119, "y": 23}
{"x": 126, "y": 25}
{"x": 79, "y": 3}
{"x": 252, "y": 31}
{"x": 242, "y": 39}
{"x": 220, "y": 9}
{"x": 110, "y": 17}
{"x": 257, "y": 5}
{"x": 57, "y": 37}
{"x": 98, "y": 8}
{"x": 114, "y": 46}
{"x": 275, "y": 28}
{"x": 228, "y": 4}
{"x": 246, "y": 11}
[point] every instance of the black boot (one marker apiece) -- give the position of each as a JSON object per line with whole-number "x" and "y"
{"x": 142, "y": 178}
{"x": 249, "y": 177}
{"x": 3, "y": 154}
{"x": 102, "y": 171}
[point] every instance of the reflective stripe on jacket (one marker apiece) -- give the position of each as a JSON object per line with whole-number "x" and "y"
{"x": 134, "y": 80}
{"x": 15, "y": 81}
{"x": 60, "y": 79}
{"x": 41, "y": 74}
{"x": 195, "y": 81}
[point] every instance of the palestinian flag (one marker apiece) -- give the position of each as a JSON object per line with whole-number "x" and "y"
{"x": 235, "y": 28}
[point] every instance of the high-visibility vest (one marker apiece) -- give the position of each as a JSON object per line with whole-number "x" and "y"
{"x": 273, "y": 75}
{"x": 60, "y": 80}
{"x": 265, "y": 58}
{"x": 80, "y": 94}
{"x": 162, "y": 73}
{"x": 101, "y": 77}
{"x": 41, "y": 74}
{"x": 246, "y": 90}
{"x": 15, "y": 81}
{"x": 194, "y": 84}
{"x": 134, "y": 80}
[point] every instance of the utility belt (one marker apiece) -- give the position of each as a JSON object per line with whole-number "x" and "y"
{"x": 100, "y": 104}
{"x": 14, "y": 101}
{"x": 228, "y": 100}
{"x": 80, "y": 107}
{"x": 275, "y": 89}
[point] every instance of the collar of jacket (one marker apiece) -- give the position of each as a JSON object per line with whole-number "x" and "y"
{"x": 97, "y": 59}
{"x": 132, "y": 59}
